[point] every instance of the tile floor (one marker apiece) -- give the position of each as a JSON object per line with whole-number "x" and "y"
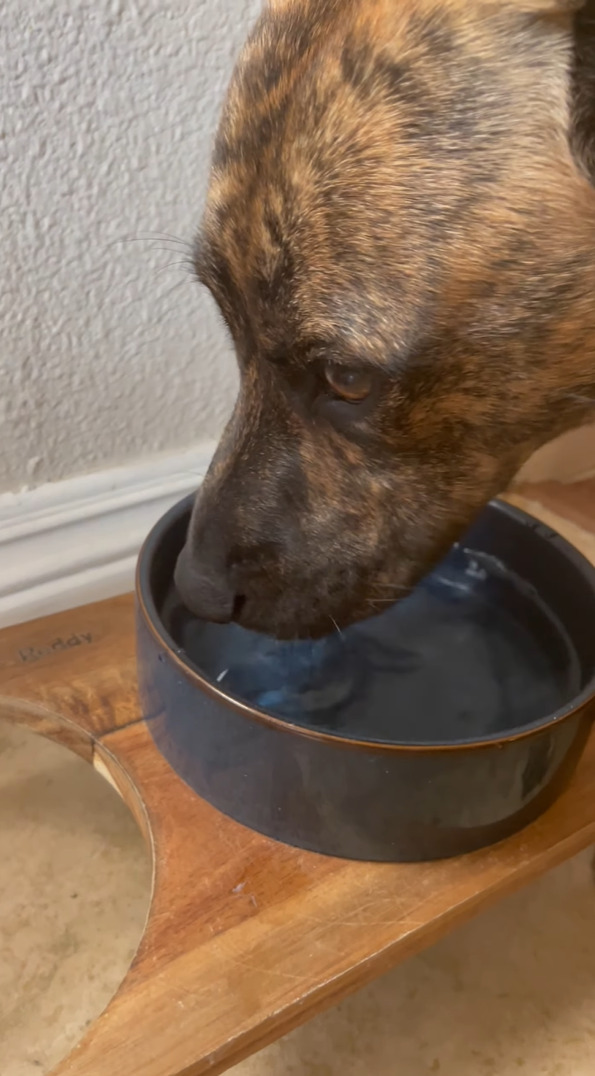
{"x": 511, "y": 993}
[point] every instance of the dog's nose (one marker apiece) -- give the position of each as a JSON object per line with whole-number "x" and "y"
{"x": 205, "y": 589}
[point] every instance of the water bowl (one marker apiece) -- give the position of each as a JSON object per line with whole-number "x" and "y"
{"x": 443, "y": 724}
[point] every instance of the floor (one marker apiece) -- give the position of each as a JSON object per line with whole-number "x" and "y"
{"x": 74, "y": 893}
{"x": 512, "y": 992}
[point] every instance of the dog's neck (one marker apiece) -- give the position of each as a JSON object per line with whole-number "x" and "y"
{"x": 583, "y": 99}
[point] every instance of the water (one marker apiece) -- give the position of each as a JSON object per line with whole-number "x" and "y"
{"x": 471, "y": 653}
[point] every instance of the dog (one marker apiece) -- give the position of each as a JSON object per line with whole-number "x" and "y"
{"x": 400, "y": 235}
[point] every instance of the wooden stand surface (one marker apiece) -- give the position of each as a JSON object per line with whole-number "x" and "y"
{"x": 246, "y": 938}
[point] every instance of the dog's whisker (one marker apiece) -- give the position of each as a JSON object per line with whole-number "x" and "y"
{"x": 154, "y": 237}
{"x": 173, "y": 250}
{"x": 177, "y": 247}
{"x": 173, "y": 238}
{"x": 173, "y": 265}
{"x": 332, "y": 619}
{"x": 391, "y": 586}
{"x": 580, "y": 399}
{"x": 184, "y": 280}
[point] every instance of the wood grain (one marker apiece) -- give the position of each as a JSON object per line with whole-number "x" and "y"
{"x": 80, "y": 664}
{"x": 46, "y": 723}
{"x": 246, "y": 938}
{"x": 574, "y": 501}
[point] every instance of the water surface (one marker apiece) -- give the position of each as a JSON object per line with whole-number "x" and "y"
{"x": 472, "y": 652}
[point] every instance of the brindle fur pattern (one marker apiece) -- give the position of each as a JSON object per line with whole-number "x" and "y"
{"x": 405, "y": 187}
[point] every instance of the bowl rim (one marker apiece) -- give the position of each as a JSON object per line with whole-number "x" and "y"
{"x": 147, "y": 608}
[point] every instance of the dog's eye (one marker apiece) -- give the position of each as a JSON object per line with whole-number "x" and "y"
{"x": 347, "y": 382}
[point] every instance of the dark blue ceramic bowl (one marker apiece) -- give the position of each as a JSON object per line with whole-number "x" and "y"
{"x": 402, "y": 783}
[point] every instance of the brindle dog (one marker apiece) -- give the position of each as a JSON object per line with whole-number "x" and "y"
{"x": 400, "y": 233}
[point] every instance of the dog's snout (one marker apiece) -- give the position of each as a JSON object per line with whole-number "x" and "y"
{"x": 205, "y": 587}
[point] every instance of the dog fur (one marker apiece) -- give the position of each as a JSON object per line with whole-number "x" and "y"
{"x": 403, "y": 191}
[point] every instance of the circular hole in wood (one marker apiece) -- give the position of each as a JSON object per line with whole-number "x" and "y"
{"x": 75, "y": 887}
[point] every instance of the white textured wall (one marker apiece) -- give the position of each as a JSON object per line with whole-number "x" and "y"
{"x": 107, "y": 111}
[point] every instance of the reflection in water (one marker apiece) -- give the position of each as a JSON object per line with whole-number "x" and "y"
{"x": 471, "y": 653}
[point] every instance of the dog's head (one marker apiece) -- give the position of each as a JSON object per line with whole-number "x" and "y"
{"x": 399, "y": 233}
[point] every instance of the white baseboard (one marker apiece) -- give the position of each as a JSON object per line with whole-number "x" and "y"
{"x": 72, "y": 542}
